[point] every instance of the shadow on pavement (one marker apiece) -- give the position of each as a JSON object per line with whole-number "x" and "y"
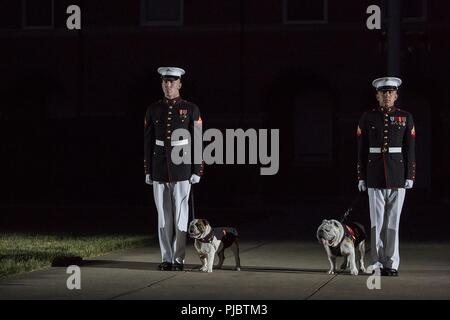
{"x": 132, "y": 265}
{"x": 135, "y": 265}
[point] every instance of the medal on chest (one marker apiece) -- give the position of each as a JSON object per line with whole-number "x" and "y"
{"x": 183, "y": 113}
{"x": 398, "y": 121}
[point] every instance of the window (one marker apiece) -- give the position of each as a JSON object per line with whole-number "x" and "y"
{"x": 162, "y": 12}
{"x": 414, "y": 10}
{"x": 305, "y": 11}
{"x": 37, "y": 14}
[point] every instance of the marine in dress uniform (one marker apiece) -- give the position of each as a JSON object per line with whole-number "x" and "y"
{"x": 171, "y": 182}
{"x": 386, "y": 166}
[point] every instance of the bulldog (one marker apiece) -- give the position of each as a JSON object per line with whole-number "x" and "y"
{"x": 341, "y": 240}
{"x": 209, "y": 241}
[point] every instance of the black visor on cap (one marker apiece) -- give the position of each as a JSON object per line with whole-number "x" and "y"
{"x": 171, "y": 78}
{"x": 387, "y": 88}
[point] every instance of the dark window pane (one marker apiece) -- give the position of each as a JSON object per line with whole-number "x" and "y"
{"x": 413, "y": 8}
{"x": 298, "y": 10}
{"x": 213, "y": 12}
{"x": 38, "y": 13}
{"x": 162, "y": 10}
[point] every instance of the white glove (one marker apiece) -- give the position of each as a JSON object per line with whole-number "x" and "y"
{"x": 194, "y": 179}
{"x": 148, "y": 180}
{"x": 362, "y": 185}
{"x": 409, "y": 184}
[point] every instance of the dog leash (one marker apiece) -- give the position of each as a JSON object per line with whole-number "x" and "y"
{"x": 351, "y": 207}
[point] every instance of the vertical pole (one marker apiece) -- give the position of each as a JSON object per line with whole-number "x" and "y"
{"x": 393, "y": 37}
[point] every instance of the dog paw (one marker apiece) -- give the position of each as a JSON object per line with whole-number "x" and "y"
{"x": 203, "y": 269}
{"x": 330, "y": 272}
{"x": 210, "y": 270}
{"x": 237, "y": 269}
{"x": 363, "y": 270}
{"x": 354, "y": 272}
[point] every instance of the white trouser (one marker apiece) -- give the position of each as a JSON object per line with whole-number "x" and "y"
{"x": 171, "y": 200}
{"x": 385, "y": 209}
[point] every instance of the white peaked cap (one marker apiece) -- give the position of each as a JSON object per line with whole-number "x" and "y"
{"x": 387, "y": 83}
{"x": 171, "y": 72}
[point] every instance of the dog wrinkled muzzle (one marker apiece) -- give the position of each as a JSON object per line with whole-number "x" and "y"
{"x": 330, "y": 232}
{"x": 193, "y": 234}
{"x": 193, "y": 230}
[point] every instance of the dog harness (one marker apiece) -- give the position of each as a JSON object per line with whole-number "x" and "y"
{"x": 225, "y": 234}
{"x": 354, "y": 231}
{"x": 209, "y": 237}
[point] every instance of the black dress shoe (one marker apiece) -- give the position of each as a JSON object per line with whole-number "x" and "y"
{"x": 165, "y": 266}
{"x": 388, "y": 272}
{"x": 178, "y": 266}
{"x": 393, "y": 273}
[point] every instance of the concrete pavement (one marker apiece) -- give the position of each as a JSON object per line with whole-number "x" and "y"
{"x": 275, "y": 265}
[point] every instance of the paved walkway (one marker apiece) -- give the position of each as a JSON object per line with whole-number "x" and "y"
{"x": 276, "y": 265}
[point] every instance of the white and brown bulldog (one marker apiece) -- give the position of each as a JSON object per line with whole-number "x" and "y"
{"x": 209, "y": 241}
{"x": 341, "y": 240}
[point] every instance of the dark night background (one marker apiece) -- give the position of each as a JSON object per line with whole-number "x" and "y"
{"x": 73, "y": 103}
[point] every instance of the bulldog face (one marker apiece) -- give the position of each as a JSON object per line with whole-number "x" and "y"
{"x": 330, "y": 233}
{"x": 199, "y": 228}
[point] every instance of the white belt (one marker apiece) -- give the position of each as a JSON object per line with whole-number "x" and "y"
{"x": 173, "y": 143}
{"x": 391, "y": 150}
